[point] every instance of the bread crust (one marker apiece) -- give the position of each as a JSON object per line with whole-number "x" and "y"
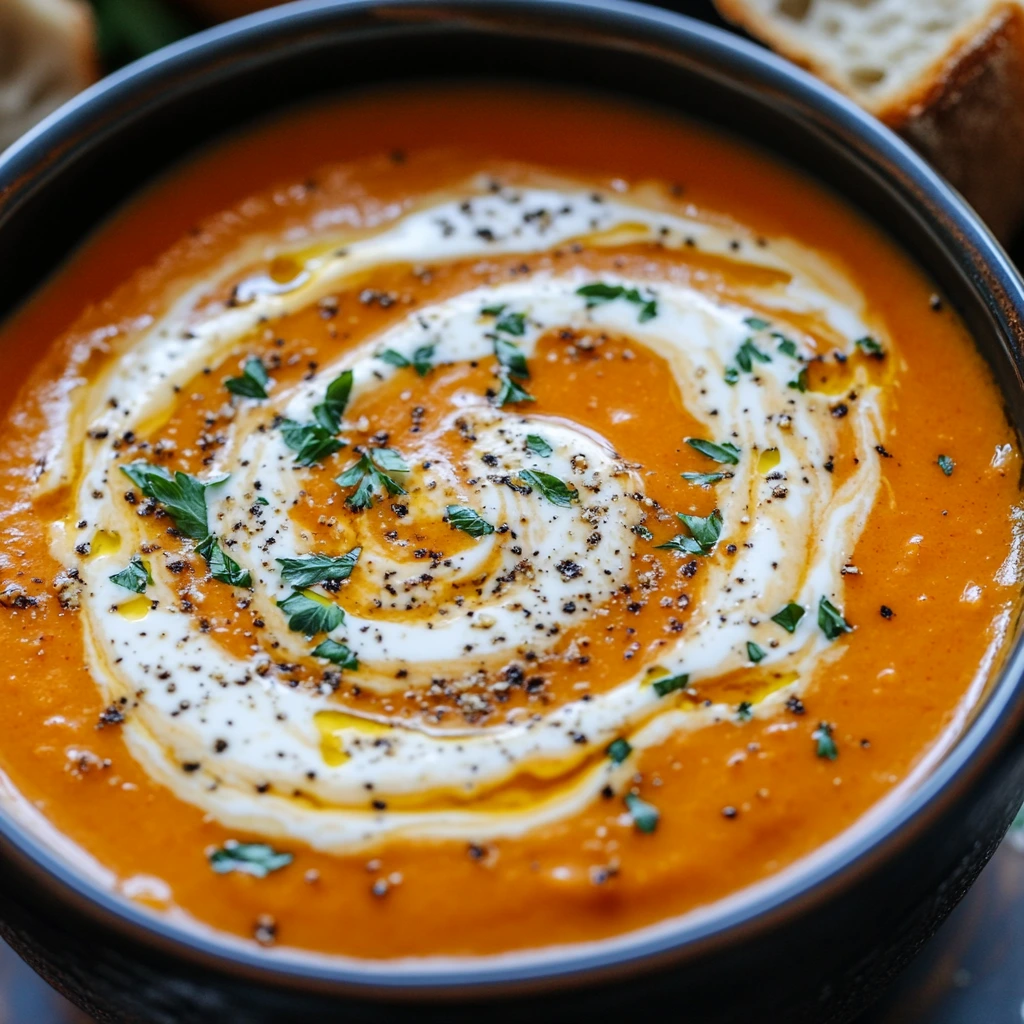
{"x": 964, "y": 113}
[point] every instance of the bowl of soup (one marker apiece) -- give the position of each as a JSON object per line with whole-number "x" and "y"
{"x": 507, "y": 508}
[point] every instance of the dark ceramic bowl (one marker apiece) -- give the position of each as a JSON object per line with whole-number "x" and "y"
{"x": 815, "y": 946}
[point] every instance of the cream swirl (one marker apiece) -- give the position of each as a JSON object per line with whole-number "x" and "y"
{"x": 547, "y": 567}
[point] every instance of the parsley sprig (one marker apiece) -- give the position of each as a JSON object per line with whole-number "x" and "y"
{"x": 257, "y": 859}
{"x": 704, "y": 534}
{"x": 314, "y": 442}
{"x": 550, "y": 487}
{"x": 422, "y": 360}
{"x": 370, "y": 475}
{"x": 308, "y": 570}
{"x": 253, "y": 381}
{"x": 310, "y": 614}
{"x": 468, "y": 520}
{"x": 725, "y": 452}
{"x": 134, "y": 576}
{"x": 599, "y": 292}
{"x": 337, "y": 654}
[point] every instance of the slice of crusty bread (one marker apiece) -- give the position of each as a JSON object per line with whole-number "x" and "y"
{"x": 948, "y": 75}
{"x": 47, "y": 54}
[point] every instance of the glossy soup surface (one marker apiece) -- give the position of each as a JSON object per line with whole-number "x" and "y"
{"x": 611, "y": 519}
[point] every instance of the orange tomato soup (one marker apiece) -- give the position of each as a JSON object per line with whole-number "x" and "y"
{"x": 612, "y": 519}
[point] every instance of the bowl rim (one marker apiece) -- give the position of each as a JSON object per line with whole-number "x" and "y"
{"x": 766, "y": 905}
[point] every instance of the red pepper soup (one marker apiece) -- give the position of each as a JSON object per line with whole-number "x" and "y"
{"x": 430, "y": 530}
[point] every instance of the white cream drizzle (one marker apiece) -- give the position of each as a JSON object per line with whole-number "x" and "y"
{"x": 792, "y": 550}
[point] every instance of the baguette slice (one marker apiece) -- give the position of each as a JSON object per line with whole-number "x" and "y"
{"x": 47, "y": 54}
{"x": 948, "y": 75}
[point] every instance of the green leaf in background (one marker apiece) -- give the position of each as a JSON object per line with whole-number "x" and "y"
{"x": 128, "y": 29}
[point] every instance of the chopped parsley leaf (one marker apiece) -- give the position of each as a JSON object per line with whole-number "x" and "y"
{"x": 756, "y": 323}
{"x": 831, "y": 620}
{"x": 310, "y": 615}
{"x": 744, "y": 711}
{"x": 618, "y": 750}
{"x": 329, "y": 412}
{"x": 755, "y": 652}
{"x": 946, "y": 464}
{"x": 787, "y": 346}
{"x": 826, "y": 745}
{"x": 308, "y": 570}
{"x": 789, "y": 617}
{"x": 550, "y": 487}
{"x": 799, "y": 383}
{"x": 725, "y": 452}
{"x": 422, "y": 360}
{"x": 748, "y": 352}
{"x": 510, "y": 355}
{"x": 134, "y": 576}
{"x": 731, "y": 375}
{"x": 511, "y": 393}
{"x": 337, "y": 653}
{"x": 182, "y": 496}
{"x": 870, "y": 347}
{"x": 370, "y": 475}
{"x": 538, "y": 446}
{"x": 704, "y": 534}
{"x": 645, "y": 816}
{"x": 223, "y": 567}
{"x": 669, "y": 684}
{"x": 512, "y": 323}
{"x": 252, "y": 383}
{"x": 311, "y": 442}
{"x": 704, "y": 479}
{"x": 599, "y": 292}
{"x": 257, "y": 859}
{"x": 468, "y": 520}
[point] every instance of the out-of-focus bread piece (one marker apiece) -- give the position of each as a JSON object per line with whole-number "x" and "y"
{"x": 948, "y": 75}
{"x": 47, "y": 54}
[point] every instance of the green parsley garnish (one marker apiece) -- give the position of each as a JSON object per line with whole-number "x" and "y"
{"x": 223, "y": 567}
{"x": 468, "y": 520}
{"x": 946, "y": 464}
{"x": 731, "y": 375}
{"x": 748, "y": 353}
{"x": 311, "y": 442}
{"x": 669, "y": 684}
{"x": 310, "y": 615}
{"x": 756, "y": 323}
{"x": 642, "y": 532}
{"x": 370, "y": 475}
{"x": 337, "y": 653}
{"x": 257, "y": 859}
{"x": 538, "y": 446}
{"x": 704, "y": 479}
{"x": 598, "y": 293}
{"x": 252, "y": 383}
{"x": 618, "y": 750}
{"x": 511, "y": 357}
{"x": 831, "y": 620}
{"x": 645, "y": 816}
{"x": 550, "y": 487}
{"x": 704, "y": 534}
{"x": 308, "y": 570}
{"x": 755, "y": 652}
{"x": 787, "y": 346}
{"x": 422, "y": 360}
{"x": 826, "y": 744}
{"x": 800, "y": 382}
{"x": 744, "y": 711}
{"x": 262, "y": 501}
{"x": 511, "y": 393}
{"x": 725, "y": 452}
{"x": 512, "y": 323}
{"x": 789, "y": 617}
{"x": 134, "y": 576}
{"x": 182, "y": 496}
{"x": 870, "y": 347}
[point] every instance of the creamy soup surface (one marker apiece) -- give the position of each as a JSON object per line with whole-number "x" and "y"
{"x": 467, "y": 520}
